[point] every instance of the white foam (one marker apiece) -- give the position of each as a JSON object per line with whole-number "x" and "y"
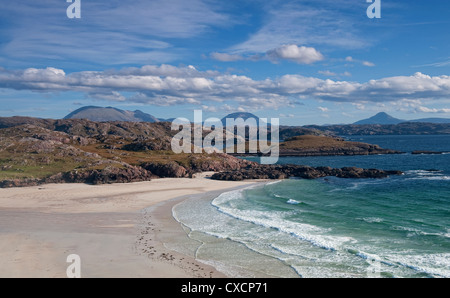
{"x": 275, "y": 220}
{"x": 416, "y": 232}
{"x": 274, "y": 182}
{"x": 426, "y": 175}
{"x": 371, "y": 219}
{"x": 423, "y": 172}
{"x": 293, "y": 202}
{"x": 437, "y": 265}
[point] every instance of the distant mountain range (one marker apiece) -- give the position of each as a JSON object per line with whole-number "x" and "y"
{"x": 389, "y": 124}
{"x": 383, "y": 118}
{"x": 100, "y": 114}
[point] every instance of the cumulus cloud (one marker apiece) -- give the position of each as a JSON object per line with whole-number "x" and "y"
{"x": 169, "y": 85}
{"x": 432, "y": 110}
{"x": 291, "y": 52}
{"x": 302, "y": 55}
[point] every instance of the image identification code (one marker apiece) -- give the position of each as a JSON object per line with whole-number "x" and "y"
{"x": 229, "y": 288}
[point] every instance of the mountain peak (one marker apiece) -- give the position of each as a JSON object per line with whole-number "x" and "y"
{"x": 100, "y": 114}
{"x": 380, "y": 118}
{"x": 243, "y": 115}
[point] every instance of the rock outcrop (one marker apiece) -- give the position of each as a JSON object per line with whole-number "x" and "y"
{"x": 109, "y": 174}
{"x": 298, "y": 171}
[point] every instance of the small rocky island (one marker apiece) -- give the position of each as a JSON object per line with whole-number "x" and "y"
{"x": 310, "y": 145}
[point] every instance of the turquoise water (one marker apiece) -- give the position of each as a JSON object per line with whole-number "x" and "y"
{"x": 331, "y": 227}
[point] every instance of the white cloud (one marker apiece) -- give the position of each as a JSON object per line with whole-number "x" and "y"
{"x": 333, "y": 74}
{"x": 301, "y": 55}
{"x": 112, "y": 96}
{"x": 287, "y": 116}
{"x": 432, "y": 110}
{"x": 324, "y": 109}
{"x": 167, "y": 85}
{"x": 291, "y": 52}
{"x": 368, "y": 63}
{"x": 362, "y": 62}
{"x": 212, "y": 109}
{"x": 437, "y": 64}
{"x": 359, "y": 106}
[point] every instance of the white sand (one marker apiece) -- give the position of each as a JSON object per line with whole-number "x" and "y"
{"x": 40, "y": 226}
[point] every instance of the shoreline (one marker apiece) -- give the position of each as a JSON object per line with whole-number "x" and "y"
{"x": 112, "y": 228}
{"x": 176, "y": 237}
{"x": 233, "y": 258}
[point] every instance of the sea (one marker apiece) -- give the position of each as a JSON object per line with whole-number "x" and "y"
{"x": 395, "y": 227}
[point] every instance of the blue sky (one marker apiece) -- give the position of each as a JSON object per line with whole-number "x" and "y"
{"x": 306, "y": 62}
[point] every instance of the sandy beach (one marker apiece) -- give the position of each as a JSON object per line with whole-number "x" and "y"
{"x": 118, "y": 230}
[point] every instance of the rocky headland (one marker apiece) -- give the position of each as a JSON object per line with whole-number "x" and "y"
{"x": 40, "y": 151}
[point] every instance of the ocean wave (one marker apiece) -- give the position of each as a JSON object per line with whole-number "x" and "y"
{"x": 435, "y": 265}
{"x": 276, "y": 220}
{"x": 280, "y": 197}
{"x": 412, "y": 232}
{"x": 293, "y": 202}
{"x": 371, "y": 219}
{"x": 426, "y": 175}
{"x": 432, "y": 178}
{"x": 429, "y": 264}
{"x": 424, "y": 172}
{"x": 447, "y": 235}
{"x": 273, "y": 233}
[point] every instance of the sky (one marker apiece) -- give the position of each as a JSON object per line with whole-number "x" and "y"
{"x": 304, "y": 62}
